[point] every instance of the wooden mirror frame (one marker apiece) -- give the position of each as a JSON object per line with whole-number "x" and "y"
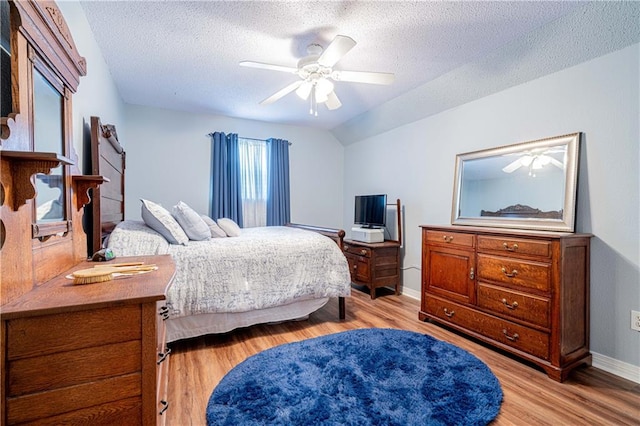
{"x": 523, "y": 213}
{"x": 40, "y": 39}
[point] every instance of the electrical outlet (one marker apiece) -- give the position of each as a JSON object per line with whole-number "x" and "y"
{"x": 635, "y": 320}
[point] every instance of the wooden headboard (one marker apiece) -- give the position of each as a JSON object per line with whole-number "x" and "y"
{"x": 107, "y": 205}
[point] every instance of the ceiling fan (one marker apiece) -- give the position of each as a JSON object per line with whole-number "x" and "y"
{"x": 316, "y": 72}
{"x": 535, "y": 160}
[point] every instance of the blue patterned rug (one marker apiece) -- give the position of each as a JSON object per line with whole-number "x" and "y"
{"x": 359, "y": 377}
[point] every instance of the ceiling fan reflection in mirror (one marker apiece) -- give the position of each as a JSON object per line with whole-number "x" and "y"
{"x": 316, "y": 72}
{"x": 537, "y": 159}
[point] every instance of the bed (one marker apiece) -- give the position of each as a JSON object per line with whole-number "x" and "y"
{"x": 263, "y": 275}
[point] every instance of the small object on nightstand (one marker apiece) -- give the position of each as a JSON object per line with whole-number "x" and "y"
{"x": 103, "y": 255}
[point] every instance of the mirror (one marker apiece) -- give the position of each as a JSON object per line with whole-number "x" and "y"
{"x": 48, "y": 137}
{"x": 530, "y": 185}
{"x": 6, "y": 97}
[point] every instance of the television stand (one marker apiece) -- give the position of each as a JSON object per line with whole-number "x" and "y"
{"x": 375, "y": 264}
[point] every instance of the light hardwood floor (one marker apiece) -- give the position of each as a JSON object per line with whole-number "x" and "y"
{"x": 589, "y": 397}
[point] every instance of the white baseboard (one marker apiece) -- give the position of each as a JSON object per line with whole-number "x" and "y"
{"x": 602, "y": 362}
{"x": 619, "y": 368}
{"x": 409, "y": 292}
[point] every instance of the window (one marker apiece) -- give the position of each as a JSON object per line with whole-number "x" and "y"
{"x": 253, "y": 181}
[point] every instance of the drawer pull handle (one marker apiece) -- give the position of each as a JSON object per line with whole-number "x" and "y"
{"x": 512, "y": 248}
{"x": 511, "y": 274}
{"x": 449, "y": 313}
{"x": 165, "y": 406}
{"x": 164, "y": 313}
{"x": 163, "y": 356}
{"x": 363, "y": 252}
{"x": 513, "y": 338}
{"x": 509, "y": 306}
{"x": 447, "y": 238}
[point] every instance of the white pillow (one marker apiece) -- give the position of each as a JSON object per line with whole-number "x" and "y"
{"x": 191, "y": 222}
{"x": 160, "y": 220}
{"x": 229, "y": 227}
{"x": 216, "y": 231}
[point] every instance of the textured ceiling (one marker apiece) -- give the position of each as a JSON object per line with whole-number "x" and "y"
{"x": 184, "y": 55}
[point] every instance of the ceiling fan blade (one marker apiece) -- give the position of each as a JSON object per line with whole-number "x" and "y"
{"x": 513, "y": 166}
{"x": 260, "y": 65}
{"x": 339, "y": 47}
{"x": 332, "y": 101}
{"x": 557, "y": 163}
{"x": 280, "y": 93}
{"x": 363, "y": 77}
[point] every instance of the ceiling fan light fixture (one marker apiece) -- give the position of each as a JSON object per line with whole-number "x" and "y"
{"x": 323, "y": 88}
{"x": 304, "y": 90}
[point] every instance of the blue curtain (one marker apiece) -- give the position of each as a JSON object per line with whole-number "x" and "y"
{"x": 278, "y": 199}
{"x": 226, "y": 189}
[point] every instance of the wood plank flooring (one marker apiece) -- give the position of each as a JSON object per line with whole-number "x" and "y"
{"x": 589, "y": 397}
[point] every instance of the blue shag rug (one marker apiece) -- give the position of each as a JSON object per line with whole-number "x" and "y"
{"x": 359, "y": 377}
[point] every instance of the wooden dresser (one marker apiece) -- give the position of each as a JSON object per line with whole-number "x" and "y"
{"x": 525, "y": 292}
{"x": 374, "y": 264}
{"x": 88, "y": 354}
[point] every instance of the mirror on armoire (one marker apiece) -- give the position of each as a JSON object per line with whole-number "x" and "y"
{"x": 35, "y": 110}
{"x": 48, "y": 136}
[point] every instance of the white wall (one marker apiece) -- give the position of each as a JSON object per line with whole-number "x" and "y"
{"x": 415, "y": 162}
{"x": 600, "y": 98}
{"x": 169, "y": 159}
{"x": 97, "y": 94}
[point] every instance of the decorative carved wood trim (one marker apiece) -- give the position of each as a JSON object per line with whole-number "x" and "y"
{"x": 44, "y": 26}
{"x": 58, "y": 19}
{"x": 523, "y": 211}
{"x": 82, "y": 184}
{"x": 25, "y": 164}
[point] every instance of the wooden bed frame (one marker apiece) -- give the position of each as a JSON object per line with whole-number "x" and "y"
{"x": 107, "y": 207}
{"x": 108, "y": 159}
{"x": 523, "y": 211}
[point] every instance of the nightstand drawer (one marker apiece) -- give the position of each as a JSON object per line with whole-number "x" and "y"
{"x": 360, "y": 269}
{"x": 358, "y": 251}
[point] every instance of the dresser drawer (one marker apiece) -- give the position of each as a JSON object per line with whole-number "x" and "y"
{"x": 49, "y": 372}
{"x": 515, "y": 272}
{"x": 453, "y": 238}
{"x": 521, "y": 306}
{"x": 51, "y": 333}
{"x": 515, "y": 246}
{"x": 502, "y": 331}
{"x": 82, "y": 399}
{"x": 357, "y": 250}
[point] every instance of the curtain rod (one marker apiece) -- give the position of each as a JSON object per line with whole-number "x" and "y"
{"x": 251, "y": 139}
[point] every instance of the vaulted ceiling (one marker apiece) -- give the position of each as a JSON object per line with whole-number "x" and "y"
{"x": 184, "y": 55}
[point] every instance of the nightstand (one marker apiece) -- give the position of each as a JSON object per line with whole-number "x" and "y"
{"x": 374, "y": 264}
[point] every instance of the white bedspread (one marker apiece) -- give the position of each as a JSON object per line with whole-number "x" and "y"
{"x": 262, "y": 268}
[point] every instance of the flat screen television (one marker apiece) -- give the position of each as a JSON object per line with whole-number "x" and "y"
{"x": 371, "y": 211}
